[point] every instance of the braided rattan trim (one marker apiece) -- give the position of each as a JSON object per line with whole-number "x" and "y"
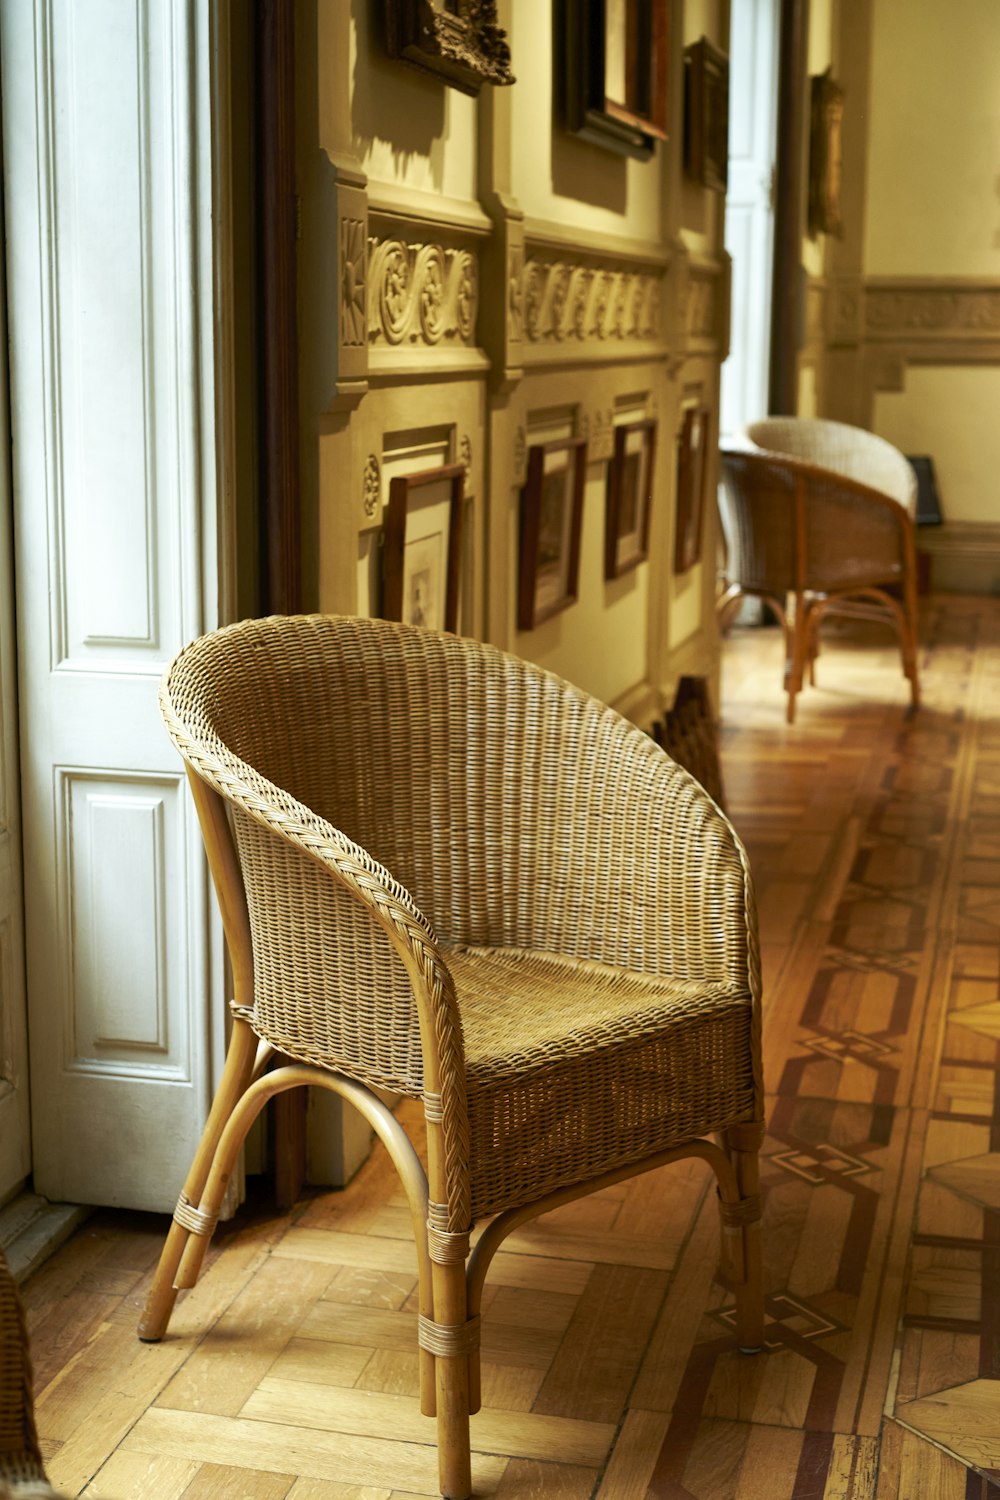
{"x": 196, "y": 1220}
{"x": 739, "y": 1215}
{"x": 448, "y": 1338}
{"x": 446, "y": 1248}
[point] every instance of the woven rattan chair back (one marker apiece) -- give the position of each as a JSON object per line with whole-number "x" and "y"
{"x": 448, "y": 873}
{"x": 830, "y": 544}
{"x": 22, "y": 1473}
{"x": 851, "y": 451}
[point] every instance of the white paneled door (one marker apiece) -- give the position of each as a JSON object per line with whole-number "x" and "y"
{"x": 15, "y": 1135}
{"x": 753, "y": 93}
{"x": 107, "y": 168}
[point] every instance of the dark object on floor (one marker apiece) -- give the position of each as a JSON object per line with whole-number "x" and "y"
{"x": 689, "y": 735}
{"x": 928, "y": 504}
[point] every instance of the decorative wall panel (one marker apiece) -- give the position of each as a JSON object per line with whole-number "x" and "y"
{"x": 121, "y": 855}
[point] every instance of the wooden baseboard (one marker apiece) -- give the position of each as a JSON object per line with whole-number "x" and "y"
{"x": 964, "y": 556}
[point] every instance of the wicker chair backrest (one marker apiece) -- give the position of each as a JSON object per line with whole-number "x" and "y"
{"x": 847, "y": 450}
{"x": 489, "y": 788}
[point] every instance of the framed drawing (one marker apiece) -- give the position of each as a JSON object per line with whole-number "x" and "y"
{"x": 458, "y": 40}
{"x": 629, "y": 498}
{"x": 551, "y": 516}
{"x": 825, "y": 155}
{"x": 706, "y": 115}
{"x": 615, "y": 72}
{"x": 692, "y": 469}
{"x": 422, "y": 547}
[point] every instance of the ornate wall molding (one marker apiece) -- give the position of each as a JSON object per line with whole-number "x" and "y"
{"x": 421, "y": 296}
{"x": 567, "y": 302}
{"x": 935, "y": 308}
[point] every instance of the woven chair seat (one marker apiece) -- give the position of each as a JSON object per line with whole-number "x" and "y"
{"x": 574, "y": 1067}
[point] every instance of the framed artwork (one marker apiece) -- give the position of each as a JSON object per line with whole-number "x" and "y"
{"x": 422, "y": 548}
{"x": 826, "y": 117}
{"x": 458, "y": 40}
{"x": 692, "y": 469}
{"x": 615, "y": 72}
{"x": 706, "y": 115}
{"x": 551, "y": 516}
{"x": 629, "y": 498}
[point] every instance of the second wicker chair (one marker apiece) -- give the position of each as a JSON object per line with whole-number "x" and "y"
{"x": 445, "y": 873}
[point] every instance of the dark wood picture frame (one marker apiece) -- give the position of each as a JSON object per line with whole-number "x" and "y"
{"x": 615, "y": 72}
{"x": 463, "y": 45}
{"x": 629, "y": 497}
{"x": 692, "y": 474}
{"x": 825, "y": 155}
{"x": 706, "y": 115}
{"x": 423, "y": 589}
{"x": 551, "y": 521}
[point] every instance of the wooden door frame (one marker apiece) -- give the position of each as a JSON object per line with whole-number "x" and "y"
{"x": 788, "y": 289}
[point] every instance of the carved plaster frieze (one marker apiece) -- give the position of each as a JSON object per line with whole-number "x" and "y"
{"x": 421, "y": 295}
{"x": 352, "y": 283}
{"x": 700, "y": 307}
{"x": 562, "y": 302}
{"x": 372, "y": 485}
{"x": 929, "y": 311}
{"x": 845, "y": 308}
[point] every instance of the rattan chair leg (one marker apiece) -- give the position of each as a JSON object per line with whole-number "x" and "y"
{"x": 235, "y": 1077}
{"x": 452, "y": 1381}
{"x": 743, "y": 1144}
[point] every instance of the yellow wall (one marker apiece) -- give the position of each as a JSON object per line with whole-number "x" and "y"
{"x": 950, "y": 412}
{"x": 392, "y": 159}
{"x": 934, "y": 139}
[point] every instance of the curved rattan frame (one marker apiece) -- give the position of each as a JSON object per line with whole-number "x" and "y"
{"x": 442, "y": 1193}
{"x": 774, "y": 506}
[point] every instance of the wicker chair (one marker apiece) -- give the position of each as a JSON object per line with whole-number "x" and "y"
{"x": 822, "y": 513}
{"x": 445, "y": 873}
{"x": 22, "y": 1475}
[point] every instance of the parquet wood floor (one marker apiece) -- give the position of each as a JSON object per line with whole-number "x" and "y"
{"x": 610, "y": 1370}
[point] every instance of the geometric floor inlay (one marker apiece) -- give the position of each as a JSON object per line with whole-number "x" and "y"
{"x": 975, "y": 1177}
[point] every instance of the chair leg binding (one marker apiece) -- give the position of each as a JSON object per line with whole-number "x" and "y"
{"x": 448, "y": 1340}
{"x": 741, "y": 1266}
{"x": 195, "y": 1220}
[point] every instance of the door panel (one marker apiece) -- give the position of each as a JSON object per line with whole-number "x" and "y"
{"x": 107, "y": 156}
{"x": 15, "y": 1143}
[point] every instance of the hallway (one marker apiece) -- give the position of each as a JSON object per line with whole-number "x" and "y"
{"x": 609, "y": 1367}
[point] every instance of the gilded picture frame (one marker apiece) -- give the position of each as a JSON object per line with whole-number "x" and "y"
{"x": 421, "y": 551}
{"x": 460, "y": 42}
{"x": 551, "y": 520}
{"x": 629, "y": 498}
{"x": 615, "y": 71}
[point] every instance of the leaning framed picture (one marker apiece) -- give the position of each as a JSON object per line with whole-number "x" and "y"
{"x": 706, "y": 115}
{"x": 692, "y": 473}
{"x": 421, "y": 548}
{"x": 629, "y": 498}
{"x": 615, "y": 65}
{"x": 551, "y": 517}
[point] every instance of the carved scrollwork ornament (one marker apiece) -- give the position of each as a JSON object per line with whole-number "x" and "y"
{"x": 372, "y": 485}
{"x": 465, "y": 452}
{"x": 421, "y": 294}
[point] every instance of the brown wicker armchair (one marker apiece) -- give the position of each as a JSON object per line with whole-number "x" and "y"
{"x": 22, "y": 1475}
{"x": 446, "y": 873}
{"x": 821, "y": 537}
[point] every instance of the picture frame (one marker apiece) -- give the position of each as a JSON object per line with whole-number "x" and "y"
{"x": 706, "y": 115}
{"x": 551, "y": 519}
{"x": 692, "y": 471}
{"x": 629, "y": 497}
{"x": 615, "y": 66}
{"x": 421, "y": 549}
{"x": 458, "y": 41}
{"x": 826, "y": 115}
